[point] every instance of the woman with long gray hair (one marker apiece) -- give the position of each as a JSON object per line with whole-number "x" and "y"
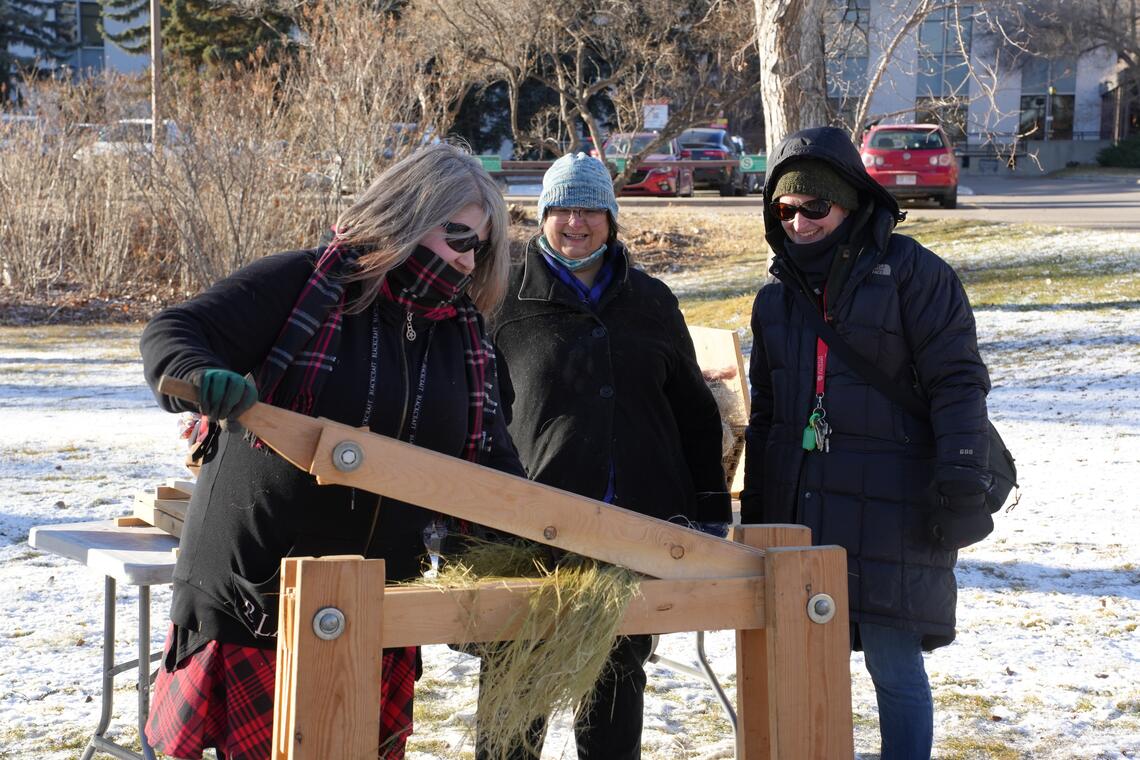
{"x": 381, "y": 328}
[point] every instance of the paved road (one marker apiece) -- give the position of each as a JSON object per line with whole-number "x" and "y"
{"x": 1106, "y": 203}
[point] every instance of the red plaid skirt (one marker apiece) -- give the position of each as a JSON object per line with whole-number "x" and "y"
{"x": 222, "y": 696}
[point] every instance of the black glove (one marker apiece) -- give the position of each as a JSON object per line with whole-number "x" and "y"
{"x": 960, "y": 519}
{"x": 224, "y": 395}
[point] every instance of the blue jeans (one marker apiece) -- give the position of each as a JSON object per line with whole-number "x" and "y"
{"x": 906, "y": 709}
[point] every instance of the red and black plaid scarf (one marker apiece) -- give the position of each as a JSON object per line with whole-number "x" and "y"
{"x": 429, "y": 287}
{"x": 304, "y": 354}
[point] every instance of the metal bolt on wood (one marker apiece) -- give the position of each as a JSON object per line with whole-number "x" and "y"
{"x": 549, "y": 532}
{"x": 328, "y": 623}
{"x": 821, "y": 608}
{"x": 347, "y": 456}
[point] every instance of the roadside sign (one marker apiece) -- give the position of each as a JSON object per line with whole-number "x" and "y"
{"x": 491, "y": 163}
{"x": 655, "y": 113}
{"x": 754, "y": 164}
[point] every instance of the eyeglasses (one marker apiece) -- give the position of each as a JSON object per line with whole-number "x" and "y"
{"x": 589, "y": 215}
{"x": 461, "y": 239}
{"x": 813, "y": 209}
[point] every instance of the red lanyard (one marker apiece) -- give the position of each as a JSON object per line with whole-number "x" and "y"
{"x": 820, "y": 366}
{"x": 820, "y": 356}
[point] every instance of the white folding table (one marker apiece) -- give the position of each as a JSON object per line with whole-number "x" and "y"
{"x": 137, "y": 556}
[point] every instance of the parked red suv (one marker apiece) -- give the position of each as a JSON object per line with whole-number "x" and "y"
{"x": 912, "y": 161}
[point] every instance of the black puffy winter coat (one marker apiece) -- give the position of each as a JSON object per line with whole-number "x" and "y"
{"x": 905, "y": 310}
{"x": 617, "y": 383}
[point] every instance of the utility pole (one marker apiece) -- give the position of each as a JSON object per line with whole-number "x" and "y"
{"x": 156, "y": 130}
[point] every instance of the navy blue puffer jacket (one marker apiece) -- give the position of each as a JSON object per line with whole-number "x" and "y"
{"x": 904, "y": 309}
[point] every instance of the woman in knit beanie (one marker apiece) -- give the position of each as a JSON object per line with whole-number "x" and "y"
{"x": 609, "y": 403}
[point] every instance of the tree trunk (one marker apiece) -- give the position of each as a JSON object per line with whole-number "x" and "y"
{"x": 792, "y": 81}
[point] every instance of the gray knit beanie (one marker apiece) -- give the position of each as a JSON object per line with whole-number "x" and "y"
{"x": 577, "y": 181}
{"x": 810, "y": 176}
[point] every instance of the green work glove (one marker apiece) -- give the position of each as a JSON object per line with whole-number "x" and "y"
{"x": 224, "y": 395}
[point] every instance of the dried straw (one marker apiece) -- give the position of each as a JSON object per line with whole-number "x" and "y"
{"x": 560, "y": 646}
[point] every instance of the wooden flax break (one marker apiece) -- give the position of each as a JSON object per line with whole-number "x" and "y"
{"x": 786, "y": 599}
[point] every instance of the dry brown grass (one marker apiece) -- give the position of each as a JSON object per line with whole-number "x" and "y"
{"x": 559, "y": 647}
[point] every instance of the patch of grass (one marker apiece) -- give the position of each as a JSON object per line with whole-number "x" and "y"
{"x": 728, "y": 312}
{"x": 18, "y": 633}
{"x": 972, "y": 705}
{"x": 972, "y": 748}
{"x": 74, "y": 739}
{"x": 431, "y": 704}
{"x": 1096, "y": 170}
{"x": 1129, "y": 706}
{"x": 13, "y": 734}
{"x": 434, "y": 746}
{"x": 1084, "y": 704}
{"x": 665, "y": 693}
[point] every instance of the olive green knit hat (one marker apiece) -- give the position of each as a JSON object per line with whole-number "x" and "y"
{"x": 811, "y": 176}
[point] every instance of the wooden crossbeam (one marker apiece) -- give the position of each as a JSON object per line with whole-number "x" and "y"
{"x": 497, "y": 500}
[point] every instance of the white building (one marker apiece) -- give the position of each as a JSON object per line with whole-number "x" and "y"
{"x": 1058, "y": 110}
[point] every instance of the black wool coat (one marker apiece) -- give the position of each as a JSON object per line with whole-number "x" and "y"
{"x": 251, "y": 507}
{"x": 617, "y": 383}
{"x": 904, "y": 309}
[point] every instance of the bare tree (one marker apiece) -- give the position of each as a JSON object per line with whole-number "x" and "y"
{"x": 696, "y": 55}
{"x": 792, "y": 79}
{"x": 500, "y": 36}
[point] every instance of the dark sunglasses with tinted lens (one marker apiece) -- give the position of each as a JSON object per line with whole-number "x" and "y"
{"x": 813, "y": 209}
{"x": 461, "y": 239}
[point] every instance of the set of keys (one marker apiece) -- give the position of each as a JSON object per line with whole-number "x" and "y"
{"x": 817, "y": 434}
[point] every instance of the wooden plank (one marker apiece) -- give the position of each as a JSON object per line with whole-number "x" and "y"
{"x": 504, "y": 502}
{"x": 722, "y": 363}
{"x": 171, "y": 492}
{"x": 531, "y": 510}
{"x": 284, "y": 712}
{"x": 492, "y": 612}
{"x": 754, "y": 736}
{"x": 809, "y": 663}
{"x": 334, "y": 684}
{"x": 163, "y": 514}
{"x": 185, "y": 486}
{"x": 176, "y": 508}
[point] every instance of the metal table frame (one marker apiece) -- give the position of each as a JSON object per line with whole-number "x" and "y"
{"x": 137, "y": 556}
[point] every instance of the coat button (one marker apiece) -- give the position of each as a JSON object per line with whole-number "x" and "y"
{"x": 807, "y": 494}
{"x": 598, "y": 332}
{"x": 606, "y": 391}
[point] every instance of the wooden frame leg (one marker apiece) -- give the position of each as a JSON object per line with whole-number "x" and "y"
{"x": 328, "y": 690}
{"x": 809, "y": 661}
{"x": 754, "y": 735}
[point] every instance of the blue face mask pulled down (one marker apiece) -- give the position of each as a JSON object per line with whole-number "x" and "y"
{"x": 572, "y": 264}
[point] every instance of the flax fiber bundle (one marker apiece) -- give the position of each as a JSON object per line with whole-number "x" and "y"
{"x": 560, "y": 645}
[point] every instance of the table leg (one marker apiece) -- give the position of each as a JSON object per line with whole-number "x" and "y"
{"x": 144, "y": 669}
{"x": 108, "y": 665}
{"x": 99, "y": 742}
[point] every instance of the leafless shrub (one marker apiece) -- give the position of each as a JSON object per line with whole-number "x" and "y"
{"x": 265, "y": 160}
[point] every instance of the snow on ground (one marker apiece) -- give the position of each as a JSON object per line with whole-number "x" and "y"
{"x": 1047, "y": 661}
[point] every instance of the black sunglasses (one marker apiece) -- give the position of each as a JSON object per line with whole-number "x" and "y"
{"x": 461, "y": 239}
{"x": 813, "y": 209}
